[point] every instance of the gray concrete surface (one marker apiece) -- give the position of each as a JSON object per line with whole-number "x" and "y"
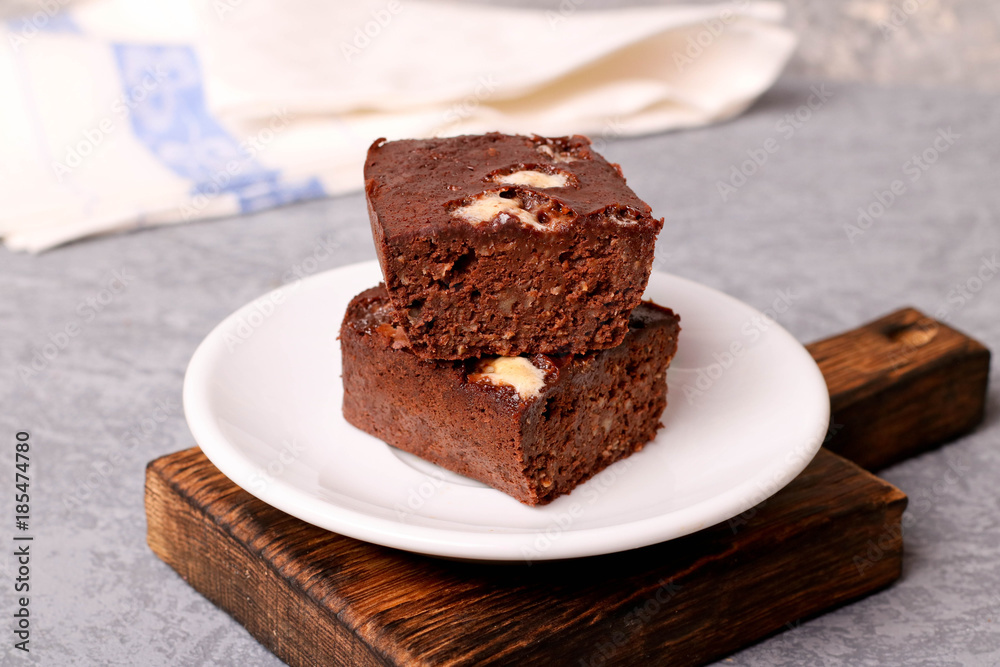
{"x": 109, "y": 400}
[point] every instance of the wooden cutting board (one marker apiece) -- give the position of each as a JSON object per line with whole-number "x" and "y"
{"x": 899, "y": 385}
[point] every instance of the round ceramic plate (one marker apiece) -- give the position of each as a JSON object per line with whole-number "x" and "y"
{"x": 747, "y": 410}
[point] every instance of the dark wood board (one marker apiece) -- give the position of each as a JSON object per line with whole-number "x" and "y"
{"x": 318, "y": 598}
{"x": 901, "y": 385}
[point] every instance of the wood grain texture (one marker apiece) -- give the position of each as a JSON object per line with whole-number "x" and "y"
{"x": 898, "y": 385}
{"x": 315, "y": 597}
{"x": 901, "y": 385}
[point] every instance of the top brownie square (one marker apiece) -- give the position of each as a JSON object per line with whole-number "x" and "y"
{"x": 504, "y": 245}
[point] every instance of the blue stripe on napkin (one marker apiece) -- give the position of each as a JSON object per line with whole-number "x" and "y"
{"x": 163, "y": 89}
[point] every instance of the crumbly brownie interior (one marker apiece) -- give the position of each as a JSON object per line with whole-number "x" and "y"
{"x": 510, "y": 291}
{"x": 589, "y": 410}
{"x": 608, "y": 408}
{"x": 427, "y": 407}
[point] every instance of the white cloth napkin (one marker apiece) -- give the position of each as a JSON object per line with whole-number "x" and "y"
{"x": 117, "y": 115}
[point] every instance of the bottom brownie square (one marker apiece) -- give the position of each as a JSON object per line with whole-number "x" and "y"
{"x": 533, "y": 427}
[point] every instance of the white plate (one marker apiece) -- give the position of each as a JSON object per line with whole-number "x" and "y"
{"x": 748, "y": 410}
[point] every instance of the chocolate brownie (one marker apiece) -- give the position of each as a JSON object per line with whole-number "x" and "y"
{"x": 533, "y": 427}
{"x": 504, "y": 245}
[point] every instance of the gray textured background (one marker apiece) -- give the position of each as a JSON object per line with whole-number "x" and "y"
{"x": 101, "y": 597}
